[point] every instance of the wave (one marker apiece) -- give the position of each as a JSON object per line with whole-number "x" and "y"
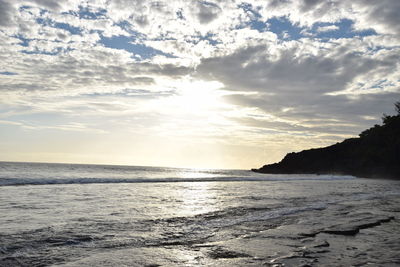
{"x": 55, "y": 181}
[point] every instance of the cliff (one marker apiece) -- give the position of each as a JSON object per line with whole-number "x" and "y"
{"x": 375, "y": 153}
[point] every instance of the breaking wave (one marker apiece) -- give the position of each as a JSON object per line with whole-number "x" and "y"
{"x": 54, "y": 181}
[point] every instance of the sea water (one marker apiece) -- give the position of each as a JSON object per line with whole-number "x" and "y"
{"x": 105, "y": 215}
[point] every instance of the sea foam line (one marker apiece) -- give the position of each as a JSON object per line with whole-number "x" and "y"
{"x": 55, "y": 181}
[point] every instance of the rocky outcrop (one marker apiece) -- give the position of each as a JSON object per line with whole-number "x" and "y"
{"x": 375, "y": 154}
{"x": 352, "y": 228}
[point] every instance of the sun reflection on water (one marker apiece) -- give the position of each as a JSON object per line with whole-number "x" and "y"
{"x": 197, "y": 173}
{"x": 196, "y": 198}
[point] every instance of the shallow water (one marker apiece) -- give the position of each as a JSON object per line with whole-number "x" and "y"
{"x": 95, "y": 215}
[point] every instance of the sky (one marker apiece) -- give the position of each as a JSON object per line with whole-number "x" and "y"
{"x": 199, "y": 84}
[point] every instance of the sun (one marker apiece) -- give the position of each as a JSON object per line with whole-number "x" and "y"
{"x": 199, "y": 96}
{"x": 194, "y": 97}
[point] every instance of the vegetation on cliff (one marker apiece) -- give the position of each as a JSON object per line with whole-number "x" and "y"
{"x": 375, "y": 153}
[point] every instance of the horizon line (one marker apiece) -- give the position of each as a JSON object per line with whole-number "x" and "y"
{"x": 119, "y": 165}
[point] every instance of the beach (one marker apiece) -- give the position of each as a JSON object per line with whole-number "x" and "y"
{"x": 95, "y": 215}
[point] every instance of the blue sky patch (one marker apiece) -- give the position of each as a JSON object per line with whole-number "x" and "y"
{"x": 86, "y": 13}
{"x": 255, "y": 23}
{"x": 381, "y": 84}
{"x": 345, "y": 30}
{"x": 8, "y": 73}
{"x": 38, "y": 52}
{"x": 24, "y": 41}
{"x": 58, "y": 25}
{"x": 258, "y": 25}
{"x": 211, "y": 38}
{"x": 282, "y": 27}
{"x": 126, "y": 43}
{"x": 67, "y": 27}
{"x": 180, "y": 15}
{"x": 126, "y": 26}
{"x": 57, "y": 51}
{"x": 285, "y": 29}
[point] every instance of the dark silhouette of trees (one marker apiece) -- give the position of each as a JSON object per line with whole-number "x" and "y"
{"x": 376, "y": 153}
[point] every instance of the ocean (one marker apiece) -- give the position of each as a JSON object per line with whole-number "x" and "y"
{"x": 105, "y": 215}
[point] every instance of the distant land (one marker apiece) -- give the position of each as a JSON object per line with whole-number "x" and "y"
{"x": 374, "y": 154}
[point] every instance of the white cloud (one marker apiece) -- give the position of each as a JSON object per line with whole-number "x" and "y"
{"x": 327, "y": 28}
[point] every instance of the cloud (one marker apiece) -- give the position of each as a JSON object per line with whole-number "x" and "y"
{"x": 207, "y": 12}
{"x": 312, "y": 86}
{"x": 327, "y": 28}
{"x": 382, "y": 15}
{"x": 7, "y": 12}
{"x": 49, "y": 4}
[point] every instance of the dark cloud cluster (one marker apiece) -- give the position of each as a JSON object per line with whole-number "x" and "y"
{"x": 305, "y": 84}
{"x": 7, "y": 12}
{"x": 53, "y": 5}
{"x": 251, "y": 68}
{"x": 207, "y": 11}
{"x": 384, "y": 12}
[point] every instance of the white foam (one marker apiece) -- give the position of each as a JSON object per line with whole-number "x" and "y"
{"x": 50, "y": 181}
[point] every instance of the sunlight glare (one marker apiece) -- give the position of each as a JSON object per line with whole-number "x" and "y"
{"x": 199, "y": 96}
